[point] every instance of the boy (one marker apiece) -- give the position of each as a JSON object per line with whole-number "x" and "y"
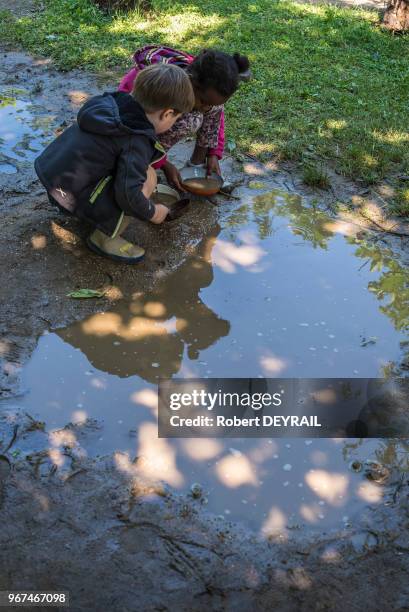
{"x": 99, "y": 168}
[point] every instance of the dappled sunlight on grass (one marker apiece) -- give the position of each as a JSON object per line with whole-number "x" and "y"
{"x": 328, "y": 83}
{"x": 336, "y": 124}
{"x": 392, "y": 137}
{"x": 77, "y": 97}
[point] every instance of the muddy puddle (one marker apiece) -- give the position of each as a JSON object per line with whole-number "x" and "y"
{"x": 278, "y": 289}
{"x": 24, "y": 129}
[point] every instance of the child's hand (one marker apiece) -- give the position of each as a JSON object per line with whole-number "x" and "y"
{"x": 160, "y": 215}
{"x": 173, "y": 176}
{"x": 149, "y": 185}
{"x": 213, "y": 165}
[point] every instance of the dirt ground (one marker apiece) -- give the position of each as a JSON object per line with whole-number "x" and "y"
{"x": 119, "y": 543}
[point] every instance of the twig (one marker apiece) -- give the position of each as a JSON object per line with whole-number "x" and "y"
{"x": 228, "y": 195}
{"x": 398, "y": 488}
{"x": 13, "y": 439}
{"x": 384, "y": 229}
{"x": 110, "y": 277}
{"x": 363, "y": 265}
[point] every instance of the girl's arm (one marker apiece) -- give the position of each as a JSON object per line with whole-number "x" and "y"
{"x": 218, "y": 151}
{"x": 208, "y": 134}
{"x": 210, "y": 140}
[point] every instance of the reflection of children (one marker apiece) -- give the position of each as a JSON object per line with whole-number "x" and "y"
{"x": 99, "y": 168}
{"x": 151, "y": 348}
{"x": 215, "y": 77}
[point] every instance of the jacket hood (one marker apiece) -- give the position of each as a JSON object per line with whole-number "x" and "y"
{"x": 115, "y": 114}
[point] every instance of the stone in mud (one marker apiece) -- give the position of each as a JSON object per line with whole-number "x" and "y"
{"x": 356, "y": 466}
{"x": 196, "y": 490}
{"x": 376, "y": 471}
{"x": 364, "y": 541}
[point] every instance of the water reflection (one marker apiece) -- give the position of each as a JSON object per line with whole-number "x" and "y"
{"x": 392, "y": 286}
{"x": 23, "y": 131}
{"x": 280, "y": 290}
{"x": 149, "y": 336}
{"x": 312, "y": 224}
{"x": 317, "y": 228}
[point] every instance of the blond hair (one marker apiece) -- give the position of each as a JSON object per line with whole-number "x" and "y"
{"x": 164, "y": 86}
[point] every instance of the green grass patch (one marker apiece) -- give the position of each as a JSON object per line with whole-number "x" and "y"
{"x": 315, "y": 176}
{"x": 328, "y": 82}
{"x": 400, "y": 204}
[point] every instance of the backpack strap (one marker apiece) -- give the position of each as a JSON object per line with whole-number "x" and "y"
{"x": 156, "y": 54}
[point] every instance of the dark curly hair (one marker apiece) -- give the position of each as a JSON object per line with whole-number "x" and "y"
{"x": 217, "y": 70}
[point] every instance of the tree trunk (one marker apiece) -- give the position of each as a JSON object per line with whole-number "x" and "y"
{"x": 396, "y": 17}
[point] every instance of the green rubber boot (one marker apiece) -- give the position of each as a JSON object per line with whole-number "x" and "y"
{"x": 116, "y": 248}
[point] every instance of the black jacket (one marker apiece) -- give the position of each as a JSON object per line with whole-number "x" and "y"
{"x": 96, "y": 168}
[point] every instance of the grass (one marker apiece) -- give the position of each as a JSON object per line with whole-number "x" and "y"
{"x": 400, "y": 205}
{"x": 329, "y": 86}
{"x": 315, "y": 176}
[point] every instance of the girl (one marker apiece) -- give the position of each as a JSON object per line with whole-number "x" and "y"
{"x": 215, "y": 77}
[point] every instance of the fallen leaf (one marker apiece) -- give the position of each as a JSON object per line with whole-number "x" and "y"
{"x": 369, "y": 341}
{"x": 86, "y": 293}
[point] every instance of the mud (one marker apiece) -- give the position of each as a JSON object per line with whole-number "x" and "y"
{"x": 111, "y": 527}
{"x": 20, "y": 8}
{"x": 123, "y": 527}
